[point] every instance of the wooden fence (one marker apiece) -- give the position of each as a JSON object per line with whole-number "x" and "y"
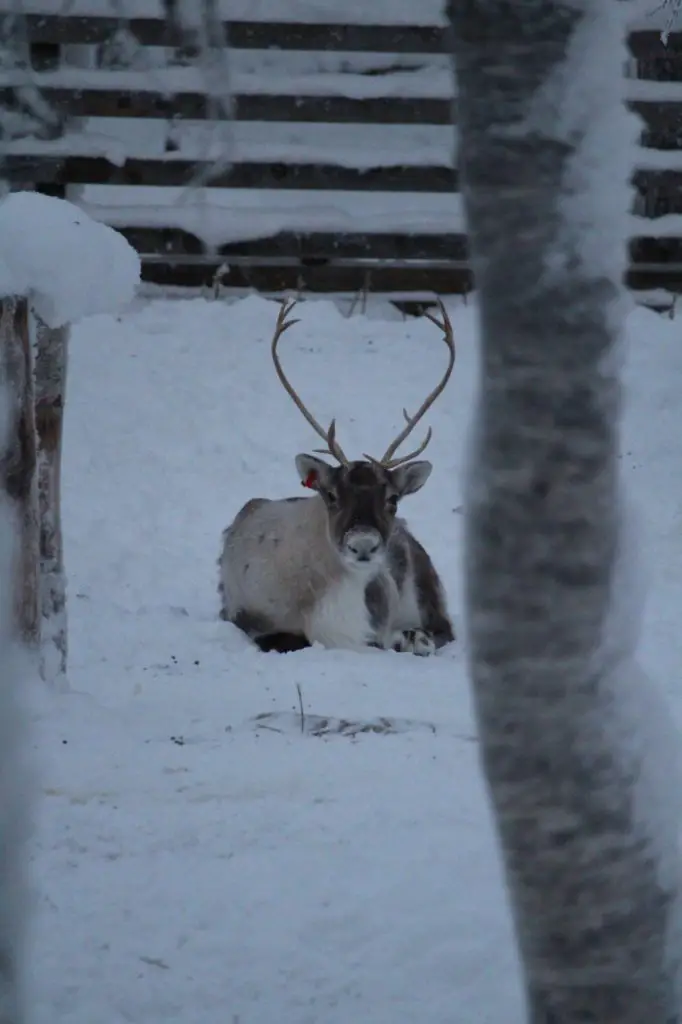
{"x": 372, "y": 204}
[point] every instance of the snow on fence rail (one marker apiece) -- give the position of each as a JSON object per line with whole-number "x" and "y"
{"x": 337, "y": 127}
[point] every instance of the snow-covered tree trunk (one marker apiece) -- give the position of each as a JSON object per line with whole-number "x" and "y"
{"x": 20, "y": 460}
{"x": 199, "y": 23}
{"x": 51, "y": 346}
{"x": 14, "y": 792}
{"x": 544, "y": 150}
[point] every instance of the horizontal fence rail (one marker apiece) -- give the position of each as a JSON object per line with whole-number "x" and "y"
{"x": 62, "y": 29}
{"x": 89, "y": 148}
{"x": 243, "y": 35}
{"x": 662, "y": 119}
{"x": 84, "y": 170}
{"x": 106, "y": 102}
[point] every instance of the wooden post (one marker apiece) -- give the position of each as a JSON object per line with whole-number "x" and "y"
{"x": 51, "y": 345}
{"x": 19, "y": 461}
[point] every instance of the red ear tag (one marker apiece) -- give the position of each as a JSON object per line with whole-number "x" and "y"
{"x": 310, "y": 480}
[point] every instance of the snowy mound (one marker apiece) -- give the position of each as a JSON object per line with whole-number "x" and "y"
{"x": 70, "y": 265}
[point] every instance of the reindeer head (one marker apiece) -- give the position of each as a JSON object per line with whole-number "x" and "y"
{"x": 361, "y": 497}
{"x": 361, "y": 500}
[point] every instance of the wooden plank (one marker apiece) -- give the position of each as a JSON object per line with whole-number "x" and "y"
{"x": 641, "y": 278}
{"x": 87, "y": 170}
{"x": 418, "y": 39}
{"x": 649, "y": 45}
{"x": 660, "y": 69}
{"x": 45, "y": 56}
{"x": 305, "y": 246}
{"x": 660, "y": 191}
{"x": 105, "y": 102}
{"x": 58, "y": 170}
{"x": 662, "y": 118}
{"x": 258, "y": 263}
{"x": 662, "y": 123}
{"x": 328, "y": 278}
{"x": 174, "y": 243}
{"x": 243, "y": 35}
{"x": 652, "y": 250}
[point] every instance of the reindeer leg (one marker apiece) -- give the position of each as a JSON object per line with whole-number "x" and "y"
{"x": 265, "y": 635}
{"x": 281, "y": 643}
{"x": 415, "y": 641}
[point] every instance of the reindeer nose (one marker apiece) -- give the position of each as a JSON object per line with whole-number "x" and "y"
{"x": 364, "y": 545}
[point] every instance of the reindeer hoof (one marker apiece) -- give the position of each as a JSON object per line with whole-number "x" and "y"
{"x": 415, "y": 641}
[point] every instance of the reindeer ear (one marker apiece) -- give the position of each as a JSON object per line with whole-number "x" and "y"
{"x": 411, "y": 477}
{"x": 314, "y": 473}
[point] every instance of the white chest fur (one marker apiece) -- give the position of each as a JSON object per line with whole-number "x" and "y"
{"x": 340, "y": 618}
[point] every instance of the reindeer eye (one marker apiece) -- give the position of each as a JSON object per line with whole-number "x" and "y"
{"x": 329, "y": 497}
{"x": 392, "y": 502}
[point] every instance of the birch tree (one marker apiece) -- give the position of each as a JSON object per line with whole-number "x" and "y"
{"x": 545, "y": 157}
{"x": 199, "y": 24}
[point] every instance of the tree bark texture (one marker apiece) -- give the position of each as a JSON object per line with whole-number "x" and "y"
{"x": 19, "y": 461}
{"x": 14, "y": 793}
{"x": 51, "y": 346}
{"x": 594, "y": 911}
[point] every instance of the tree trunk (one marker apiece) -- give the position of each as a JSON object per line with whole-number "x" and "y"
{"x": 51, "y": 366}
{"x": 14, "y": 795}
{"x": 203, "y": 31}
{"x": 539, "y": 113}
{"x": 19, "y": 461}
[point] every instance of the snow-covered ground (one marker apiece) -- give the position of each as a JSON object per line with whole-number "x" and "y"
{"x": 202, "y": 855}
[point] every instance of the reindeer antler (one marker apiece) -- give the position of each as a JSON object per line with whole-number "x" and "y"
{"x": 328, "y": 436}
{"x": 387, "y": 460}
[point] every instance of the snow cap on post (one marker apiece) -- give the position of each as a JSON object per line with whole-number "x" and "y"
{"x": 68, "y": 265}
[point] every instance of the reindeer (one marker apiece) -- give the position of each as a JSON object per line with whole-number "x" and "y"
{"x": 340, "y": 568}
